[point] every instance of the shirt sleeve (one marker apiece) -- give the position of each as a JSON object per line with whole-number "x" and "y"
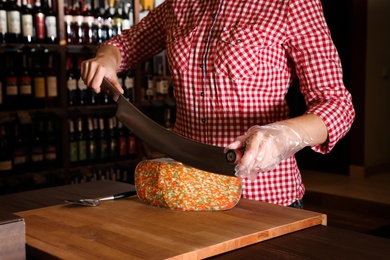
{"x": 143, "y": 40}
{"x": 319, "y": 70}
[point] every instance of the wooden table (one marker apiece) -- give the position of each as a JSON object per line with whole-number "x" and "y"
{"x": 319, "y": 241}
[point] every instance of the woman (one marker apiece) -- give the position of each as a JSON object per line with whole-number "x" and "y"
{"x": 232, "y": 64}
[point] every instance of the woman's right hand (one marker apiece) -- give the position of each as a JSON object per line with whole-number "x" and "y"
{"x": 103, "y": 65}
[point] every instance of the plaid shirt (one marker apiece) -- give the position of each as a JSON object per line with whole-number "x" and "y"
{"x": 232, "y": 63}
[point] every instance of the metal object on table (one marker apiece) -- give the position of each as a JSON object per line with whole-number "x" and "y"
{"x": 96, "y": 202}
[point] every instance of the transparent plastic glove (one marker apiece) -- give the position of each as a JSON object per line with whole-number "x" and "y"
{"x": 266, "y": 146}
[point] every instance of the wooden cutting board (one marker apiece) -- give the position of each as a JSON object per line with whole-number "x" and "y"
{"x": 128, "y": 229}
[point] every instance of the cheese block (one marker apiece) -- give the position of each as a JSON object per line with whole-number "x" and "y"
{"x": 170, "y": 184}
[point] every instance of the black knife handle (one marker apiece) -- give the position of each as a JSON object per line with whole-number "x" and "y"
{"x": 234, "y": 156}
{"x": 124, "y": 194}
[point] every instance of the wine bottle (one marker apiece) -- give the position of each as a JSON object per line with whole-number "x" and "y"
{"x": 68, "y": 19}
{"x": 5, "y": 150}
{"x": 73, "y": 143}
{"x": 93, "y": 97}
{"x": 50, "y": 22}
{"x": 128, "y": 86}
{"x": 148, "y": 83}
{"x": 27, "y": 22}
{"x": 39, "y": 22}
{"x": 71, "y": 83}
{"x": 127, "y": 21}
{"x": 112, "y": 139}
{"x": 14, "y": 31}
{"x": 118, "y": 18}
{"x": 82, "y": 89}
{"x": 50, "y": 145}
{"x": 103, "y": 142}
{"x": 3, "y": 20}
{"x": 88, "y": 24}
{"x": 122, "y": 140}
{"x": 37, "y": 154}
{"x": 92, "y": 153}
{"x": 101, "y": 31}
{"x": 39, "y": 80}
{"x": 11, "y": 84}
{"x": 25, "y": 82}
{"x": 78, "y": 19}
{"x": 94, "y": 5}
{"x": 162, "y": 85}
{"x": 81, "y": 141}
{"x": 51, "y": 82}
{"x": 131, "y": 144}
{"x": 168, "y": 124}
{"x": 108, "y": 19}
{"x": 104, "y": 98}
{"x": 20, "y": 154}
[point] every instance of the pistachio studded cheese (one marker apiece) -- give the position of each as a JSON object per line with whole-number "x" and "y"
{"x": 170, "y": 184}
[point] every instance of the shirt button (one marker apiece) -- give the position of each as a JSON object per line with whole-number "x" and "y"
{"x": 213, "y": 15}
{"x": 206, "y": 40}
{"x": 202, "y": 94}
{"x": 203, "y": 120}
{"x": 238, "y": 41}
{"x": 201, "y": 66}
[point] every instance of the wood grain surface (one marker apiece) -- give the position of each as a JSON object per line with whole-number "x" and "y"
{"x": 319, "y": 243}
{"x": 128, "y": 229}
{"x": 35, "y": 199}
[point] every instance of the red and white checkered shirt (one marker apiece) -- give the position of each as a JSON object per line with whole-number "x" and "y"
{"x": 232, "y": 63}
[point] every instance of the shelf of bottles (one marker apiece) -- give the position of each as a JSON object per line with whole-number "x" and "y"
{"x": 94, "y": 21}
{"x": 32, "y": 152}
{"x": 30, "y": 149}
{"x": 42, "y": 43}
{"x": 156, "y": 97}
{"x": 100, "y": 138}
{"x": 54, "y": 130}
{"x": 28, "y": 21}
{"x": 84, "y": 21}
{"x": 29, "y": 78}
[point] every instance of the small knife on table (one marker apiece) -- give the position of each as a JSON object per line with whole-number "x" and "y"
{"x": 96, "y": 202}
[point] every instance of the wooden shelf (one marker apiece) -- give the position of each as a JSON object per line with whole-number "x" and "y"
{"x": 63, "y": 111}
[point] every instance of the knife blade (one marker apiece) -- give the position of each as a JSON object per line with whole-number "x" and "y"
{"x": 196, "y": 154}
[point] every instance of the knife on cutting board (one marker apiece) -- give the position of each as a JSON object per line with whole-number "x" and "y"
{"x": 199, "y": 155}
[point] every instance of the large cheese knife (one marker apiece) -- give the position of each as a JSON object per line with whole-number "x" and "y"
{"x": 199, "y": 155}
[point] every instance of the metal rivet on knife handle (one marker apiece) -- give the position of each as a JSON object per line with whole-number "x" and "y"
{"x": 234, "y": 156}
